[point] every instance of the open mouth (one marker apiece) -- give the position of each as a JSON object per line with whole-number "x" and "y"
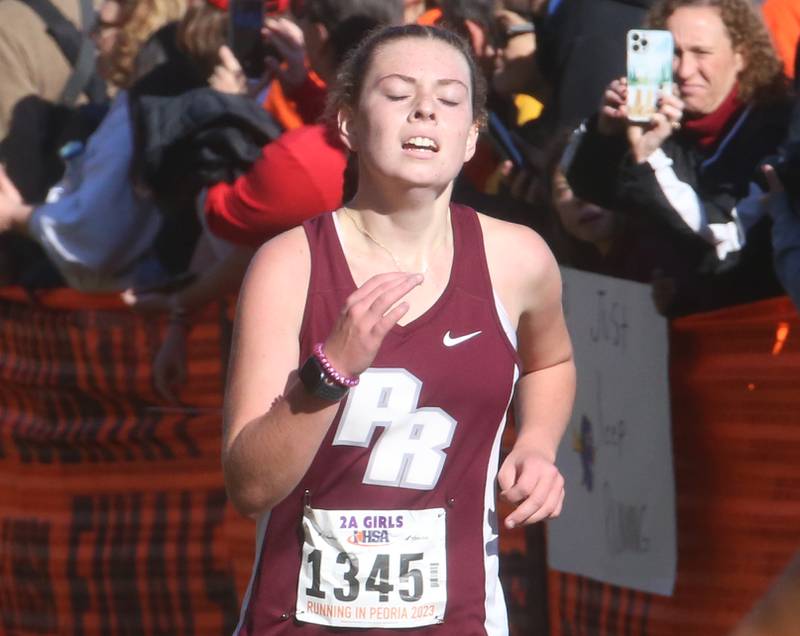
{"x": 425, "y": 144}
{"x": 591, "y": 216}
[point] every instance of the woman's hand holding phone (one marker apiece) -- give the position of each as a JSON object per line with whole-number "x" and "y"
{"x": 228, "y": 76}
{"x": 613, "y": 116}
{"x": 645, "y": 138}
{"x": 286, "y": 38}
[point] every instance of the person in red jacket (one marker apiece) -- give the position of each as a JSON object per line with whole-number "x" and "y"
{"x": 300, "y": 174}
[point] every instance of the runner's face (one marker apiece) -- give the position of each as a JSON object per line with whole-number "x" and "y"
{"x": 414, "y": 121}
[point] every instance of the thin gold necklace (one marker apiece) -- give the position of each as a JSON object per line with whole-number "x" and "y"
{"x": 365, "y": 232}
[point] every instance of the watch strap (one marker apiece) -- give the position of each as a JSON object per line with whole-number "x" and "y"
{"x": 317, "y": 383}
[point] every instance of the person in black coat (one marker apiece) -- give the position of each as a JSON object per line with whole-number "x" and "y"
{"x": 580, "y": 49}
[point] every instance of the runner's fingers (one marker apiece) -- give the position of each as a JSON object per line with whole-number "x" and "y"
{"x": 390, "y": 319}
{"x": 373, "y": 286}
{"x": 523, "y": 488}
{"x": 363, "y": 313}
{"x": 540, "y": 505}
{"x": 548, "y": 508}
{"x": 359, "y": 302}
{"x": 560, "y": 505}
{"x": 506, "y": 477}
{"x": 388, "y": 297}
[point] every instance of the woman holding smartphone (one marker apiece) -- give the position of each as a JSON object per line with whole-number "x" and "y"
{"x": 688, "y": 172}
{"x": 375, "y": 354}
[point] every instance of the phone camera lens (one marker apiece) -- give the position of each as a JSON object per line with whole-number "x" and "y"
{"x": 635, "y": 37}
{"x": 635, "y": 47}
{"x": 644, "y": 42}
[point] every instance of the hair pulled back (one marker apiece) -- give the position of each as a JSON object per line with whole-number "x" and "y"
{"x": 346, "y": 91}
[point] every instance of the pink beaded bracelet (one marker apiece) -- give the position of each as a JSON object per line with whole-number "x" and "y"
{"x": 333, "y": 374}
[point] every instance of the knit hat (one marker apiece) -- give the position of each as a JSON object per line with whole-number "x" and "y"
{"x": 220, "y": 4}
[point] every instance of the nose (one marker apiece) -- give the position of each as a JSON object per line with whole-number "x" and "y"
{"x": 684, "y": 66}
{"x": 424, "y": 109}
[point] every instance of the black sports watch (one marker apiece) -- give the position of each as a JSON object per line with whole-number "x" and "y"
{"x": 317, "y": 382}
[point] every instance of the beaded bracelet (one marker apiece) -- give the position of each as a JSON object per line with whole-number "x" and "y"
{"x": 333, "y": 374}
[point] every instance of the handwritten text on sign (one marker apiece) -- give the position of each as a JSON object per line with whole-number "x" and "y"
{"x": 618, "y": 522}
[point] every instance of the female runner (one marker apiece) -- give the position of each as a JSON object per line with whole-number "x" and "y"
{"x": 375, "y": 355}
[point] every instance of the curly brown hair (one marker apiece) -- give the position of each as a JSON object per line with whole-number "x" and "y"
{"x": 762, "y": 79}
{"x": 138, "y": 20}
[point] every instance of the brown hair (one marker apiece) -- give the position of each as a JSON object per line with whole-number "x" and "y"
{"x": 138, "y": 20}
{"x": 761, "y": 80}
{"x": 201, "y": 33}
{"x": 349, "y": 80}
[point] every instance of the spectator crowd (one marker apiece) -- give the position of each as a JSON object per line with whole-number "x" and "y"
{"x": 141, "y": 157}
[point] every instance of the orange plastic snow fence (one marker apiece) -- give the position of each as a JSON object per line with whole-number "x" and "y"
{"x": 735, "y": 378}
{"x": 113, "y": 517}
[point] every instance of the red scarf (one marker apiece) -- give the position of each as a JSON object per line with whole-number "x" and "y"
{"x": 708, "y": 130}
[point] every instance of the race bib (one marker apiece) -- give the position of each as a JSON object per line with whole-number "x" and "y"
{"x": 373, "y": 568}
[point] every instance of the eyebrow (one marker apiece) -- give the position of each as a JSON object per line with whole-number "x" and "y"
{"x": 410, "y": 80}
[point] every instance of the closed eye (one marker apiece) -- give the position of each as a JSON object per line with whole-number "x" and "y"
{"x": 448, "y": 102}
{"x": 396, "y": 98}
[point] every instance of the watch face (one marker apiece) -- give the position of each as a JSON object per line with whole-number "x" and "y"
{"x": 316, "y": 382}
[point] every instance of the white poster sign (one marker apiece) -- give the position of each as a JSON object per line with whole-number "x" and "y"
{"x": 618, "y": 522}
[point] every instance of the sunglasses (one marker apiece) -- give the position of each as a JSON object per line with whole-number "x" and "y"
{"x": 503, "y": 34}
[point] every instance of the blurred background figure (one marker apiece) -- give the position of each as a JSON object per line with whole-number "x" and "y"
{"x": 592, "y": 238}
{"x": 38, "y": 100}
{"x": 413, "y": 9}
{"x": 97, "y": 176}
{"x": 782, "y": 176}
{"x": 782, "y": 17}
{"x": 581, "y": 48}
{"x": 302, "y": 173}
{"x": 292, "y": 178}
{"x": 124, "y": 216}
{"x": 488, "y": 29}
{"x": 777, "y": 613}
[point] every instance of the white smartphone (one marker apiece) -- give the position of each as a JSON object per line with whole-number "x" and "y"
{"x": 649, "y": 64}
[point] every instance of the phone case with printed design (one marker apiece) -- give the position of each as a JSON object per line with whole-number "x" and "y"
{"x": 649, "y": 64}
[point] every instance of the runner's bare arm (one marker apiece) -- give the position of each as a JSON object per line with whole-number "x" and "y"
{"x": 529, "y": 284}
{"x": 272, "y": 425}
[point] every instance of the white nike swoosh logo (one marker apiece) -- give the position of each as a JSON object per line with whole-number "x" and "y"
{"x": 449, "y": 341}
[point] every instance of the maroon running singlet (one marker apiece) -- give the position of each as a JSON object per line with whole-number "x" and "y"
{"x": 393, "y": 526}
